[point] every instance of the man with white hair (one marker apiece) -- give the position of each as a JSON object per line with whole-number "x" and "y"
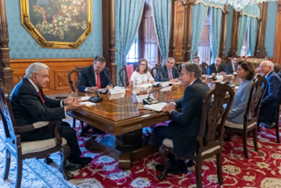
{"x": 216, "y": 68}
{"x": 30, "y": 105}
{"x": 270, "y": 100}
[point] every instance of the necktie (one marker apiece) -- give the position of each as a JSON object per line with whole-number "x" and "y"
{"x": 170, "y": 72}
{"x": 217, "y": 68}
{"x": 233, "y": 68}
{"x": 98, "y": 81}
{"x": 39, "y": 92}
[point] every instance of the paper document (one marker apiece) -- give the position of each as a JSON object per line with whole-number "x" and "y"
{"x": 155, "y": 107}
{"x": 84, "y": 98}
{"x": 87, "y": 103}
{"x": 117, "y": 90}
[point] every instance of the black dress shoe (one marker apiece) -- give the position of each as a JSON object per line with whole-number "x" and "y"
{"x": 48, "y": 160}
{"x": 72, "y": 166}
{"x": 270, "y": 126}
{"x": 81, "y": 160}
{"x": 171, "y": 169}
{"x": 190, "y": 163}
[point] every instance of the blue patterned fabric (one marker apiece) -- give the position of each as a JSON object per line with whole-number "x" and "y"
{"x": 199, "y": 13}
{"x": 253, "y": 35}
{"x": 228, "y": 30}
{"x": 127, "y": 20}
{"x": 215, "y": 31}
{"x": 243, "y": 22}
{"x": 270, "y": 28}
{"x": 162, "y": 19}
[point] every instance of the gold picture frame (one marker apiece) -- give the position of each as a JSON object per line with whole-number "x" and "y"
{"x": 57, "y": 23}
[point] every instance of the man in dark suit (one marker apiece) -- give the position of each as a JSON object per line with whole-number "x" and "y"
{"x": 95, "y": 76}
{"x": 216, "y": 68}
{"x": 168, "y": 72}
{"x": 270, "y": 100}
{"x": 184, "y": 127}
{"x": 30, "y": 105}
{"x": 231, "y": 68}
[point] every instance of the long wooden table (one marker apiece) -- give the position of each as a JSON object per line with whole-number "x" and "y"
{"x": 123, "y": 117}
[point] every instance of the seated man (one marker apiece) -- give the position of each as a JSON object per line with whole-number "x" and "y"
{"x": 184, "y": 127}
{"x": 196, "y": 60}
{"x": 168, "y": 72}
{"x": 30, "y": 105}
{"x": 270, "y": 100}
{"x": 216, "y": 68}
{"x": 95, "y": 76}
{"x": 232, "y": 67}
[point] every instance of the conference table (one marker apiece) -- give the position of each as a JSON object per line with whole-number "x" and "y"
{"x": 121, "y": 116}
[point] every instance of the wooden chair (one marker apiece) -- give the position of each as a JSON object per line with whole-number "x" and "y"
{"x": 128, "y": 71}
{"x": 154, "y": 70}
{"x": 24, "y": 150}
{"x": 251, "y": 115}
{"x": 204, "y": 67}
{"x": 74, "y": 85}
{"x": 209, "y": 140}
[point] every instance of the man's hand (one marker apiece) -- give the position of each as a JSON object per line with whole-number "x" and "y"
{"x": 92, "y": 89}
{"x": 222, "y": 73}
{"x": 108, "y": 87}
{"x": 75, "y": 105}
{"x": 69, "y": 99}
{"x": 203, "y": 76}
{"x": 169, "y": 107}
{"x": 131, "y": 83}
{"x": 213, "y": 74}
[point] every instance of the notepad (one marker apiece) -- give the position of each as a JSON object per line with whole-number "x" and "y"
{"x": 84, "y": 98}
{"x": 117, "y": 90}
{"x": 155, "y": 107}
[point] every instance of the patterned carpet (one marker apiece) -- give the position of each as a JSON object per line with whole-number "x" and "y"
{"x": 262, "y": 169}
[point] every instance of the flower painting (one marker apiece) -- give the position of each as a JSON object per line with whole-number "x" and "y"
{"x": 64, "y": 21}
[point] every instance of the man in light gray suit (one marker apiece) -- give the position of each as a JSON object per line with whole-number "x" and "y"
{"x": 168, "y": 72}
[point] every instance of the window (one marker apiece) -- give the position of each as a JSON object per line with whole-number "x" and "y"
{"x": 133, "y": 55}
{"x": 245, "y": 47}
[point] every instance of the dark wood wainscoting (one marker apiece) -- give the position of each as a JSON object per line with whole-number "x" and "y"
{"x": 59, "y": 69}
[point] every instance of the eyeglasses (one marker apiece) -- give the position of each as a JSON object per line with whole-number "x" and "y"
{"x": 143, "y": 65}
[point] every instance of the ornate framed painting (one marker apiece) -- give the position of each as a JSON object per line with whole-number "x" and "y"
{"x": 57, "y": 23}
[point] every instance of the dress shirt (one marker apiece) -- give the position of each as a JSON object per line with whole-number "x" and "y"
{"x": 268, "y": 74}
{"x": 169, "y": 73}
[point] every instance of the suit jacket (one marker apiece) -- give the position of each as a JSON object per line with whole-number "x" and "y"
{"x": 88, "y": 79}
{"x": 28, "y": 107}
{"x": 212, "y": 69}
{"x": 186, "y": 124}
{"x": 270, "y": 100}
{"x": 279, "y": 74}
{"x": 162, "y": 74}
{"x": 229, "y": 68}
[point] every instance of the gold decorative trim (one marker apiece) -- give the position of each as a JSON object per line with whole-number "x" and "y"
{"x": 25, "y": 21}
{"x": 207, "y": 4}
{"x": 258, "y": 17}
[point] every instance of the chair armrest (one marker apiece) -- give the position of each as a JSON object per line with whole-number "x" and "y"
{"x": 34, "y": 126}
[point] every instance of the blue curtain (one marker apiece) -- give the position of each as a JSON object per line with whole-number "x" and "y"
{"x": 253, "y": 35}
{"x": 199, "y": 13}
{"x": 215, "y": 31}
{"x": 242, "y": 31}
{"x": 162, "y": 20}
{"x": 127, "y": 19}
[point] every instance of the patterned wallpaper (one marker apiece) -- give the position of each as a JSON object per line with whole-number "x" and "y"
{"x": 270, "y": 28}
{"x": 23, "y": 46}
{"x": 228, "y": 30}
